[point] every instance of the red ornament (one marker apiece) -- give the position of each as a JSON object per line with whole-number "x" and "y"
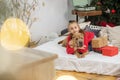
{"x": 103, "y": 23}
{"x": 111, "y": 24}
{"x": 98, "y": 3}
{"x": 113, "y": 11}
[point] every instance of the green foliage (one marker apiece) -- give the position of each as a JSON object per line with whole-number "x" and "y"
{"x": 110, "y": 5}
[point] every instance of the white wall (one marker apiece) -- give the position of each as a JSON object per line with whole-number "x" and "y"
{"x": 53, "y": 17}
{"x": 70, "y": 8}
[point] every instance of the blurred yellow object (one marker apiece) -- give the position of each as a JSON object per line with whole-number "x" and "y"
{"x": 66, "y": 77}
{"x": 14, "y": 34}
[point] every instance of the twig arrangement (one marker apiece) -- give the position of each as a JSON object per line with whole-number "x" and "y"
{"x": 22, "y": 9}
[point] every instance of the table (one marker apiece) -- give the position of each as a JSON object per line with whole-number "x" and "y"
{"x": 26, "y": 64}
{"x": 86, "y": 13}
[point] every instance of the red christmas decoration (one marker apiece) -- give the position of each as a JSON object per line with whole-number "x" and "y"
{"x": 103, "y": 23}
{"x": 98, "y": 3}
{"x": 113, "y": 11}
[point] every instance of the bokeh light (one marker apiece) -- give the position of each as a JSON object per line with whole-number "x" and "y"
{"x": 66, "y": 77}
{"x": 14, "y": 34}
